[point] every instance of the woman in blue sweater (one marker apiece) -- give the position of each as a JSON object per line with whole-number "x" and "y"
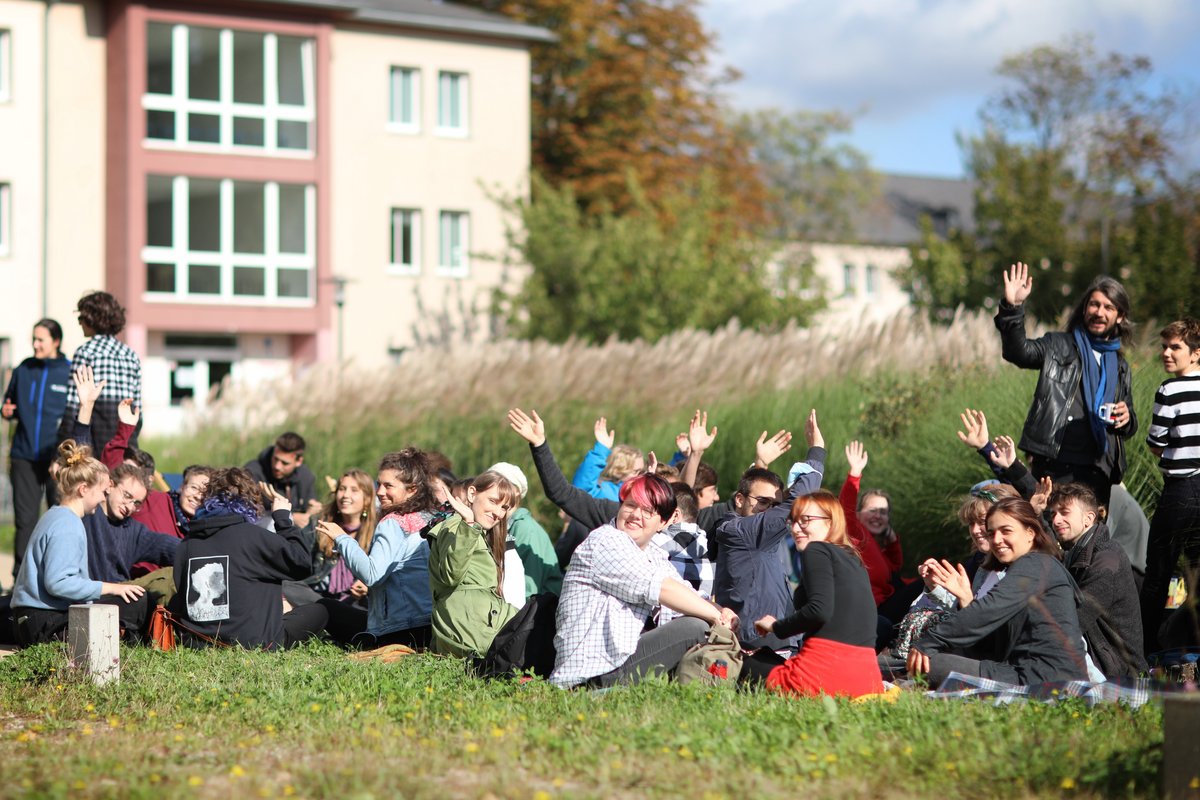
{"x": 54, "y": 575}
{"x": 36, "y": 398}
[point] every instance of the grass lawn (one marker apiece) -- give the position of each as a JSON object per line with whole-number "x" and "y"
{"x": 312, "y": 723}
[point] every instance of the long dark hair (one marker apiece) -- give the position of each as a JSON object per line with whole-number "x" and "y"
{"x": 1112, "y": 289}
{"x": 412, "y": 465}
{"x": 1025, "y": 515}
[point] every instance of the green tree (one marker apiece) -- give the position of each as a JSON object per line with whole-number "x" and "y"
{"x": 813, "y": 179}
{"x": 653, "y": 269}
{"x": 943, "y": 275}
{"x": 628, "y": 87}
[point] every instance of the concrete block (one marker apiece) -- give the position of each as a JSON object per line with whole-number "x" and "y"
{"x": 93, "y": 641}
{"x": 1181, "y": 747}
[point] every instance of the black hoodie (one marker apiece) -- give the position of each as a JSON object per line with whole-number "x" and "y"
{"x": 228, "y": 576}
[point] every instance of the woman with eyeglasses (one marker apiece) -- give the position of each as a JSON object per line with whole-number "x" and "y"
{"x": 835, "y": 611}
{"x": 1027, "y": 621}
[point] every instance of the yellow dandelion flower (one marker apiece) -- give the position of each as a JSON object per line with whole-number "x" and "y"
{"x": 541, "y": 794}
{"x": 87, "y": 730}
{"x": 580, "y": 717}
{"x": 195, "y": 780}
{"x": 89, "y": 707}
{"x": 152, "y": 713}
{"x": 498, "y": 732}
{"x": 315, "y": 707}
{"x": 1067, "y": 783}
{"x": 236, "y": 771}
{"x": 79, "y": 785}
{"x": 558, "y": 783}
{"x": 472, "y": 747}
{"x": 685, "y": 752}
{"x": 289, "y": 790}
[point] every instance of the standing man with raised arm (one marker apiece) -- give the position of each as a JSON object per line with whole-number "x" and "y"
{"x": 1082, "y": 410}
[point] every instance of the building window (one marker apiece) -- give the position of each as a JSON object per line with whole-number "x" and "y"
{"x": 872, "y": 282}
{"x": 452, "y": 104}
{"x": 5, "y": 214}
{"x": 453, "y": 243}
{"x": 230, "y": 241}
{"x": 5, "y": 65}
{"x": 405, "y": 256}
{"x": 849, "y": 280}
{"x": 210, "y": 88}
{"x": 404, "y": 100}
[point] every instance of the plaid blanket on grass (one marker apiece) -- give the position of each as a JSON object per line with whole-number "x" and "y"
{"x": 1133, "y": 692}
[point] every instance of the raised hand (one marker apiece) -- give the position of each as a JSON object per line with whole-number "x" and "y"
{"x": 699, "y": 438}
{"x": 1006, "y": 452}
{"x": 975, "y": 434}
{"x": 813, "y": 431}
{"x": 951, "y": 577}
{"x": 127, "y": 413}
{"x": 528, "y": 426}
{"x": 330, "y": 530}
{"x": 856, "y": 454}
{"x": 682, "y": 444}
{"x": 603, "y": 435}
{"x": 1042, "y": 496}
{"x": 86, "y": 386}
{"x": 1018, "y": 284}
{"x": 651, "y": 463}
{"x": 767, "y": 450}
{"x": 277, "y": 501}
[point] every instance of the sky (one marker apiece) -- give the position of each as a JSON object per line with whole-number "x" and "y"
{"x": 915, "y": 72}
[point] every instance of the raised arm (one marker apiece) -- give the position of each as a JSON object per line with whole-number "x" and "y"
{"x": 1015, "y": 347}
{"x": 590, "y": 511}
{"x": 587, "y": 476}
{"x": 699, "y": 439}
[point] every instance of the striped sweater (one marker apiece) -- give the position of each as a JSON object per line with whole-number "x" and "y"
{"x": 1176, "y": 426}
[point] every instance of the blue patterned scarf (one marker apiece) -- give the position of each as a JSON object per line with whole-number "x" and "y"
{"x": 1099, "y": 380}
{"x": 224, "y": 504}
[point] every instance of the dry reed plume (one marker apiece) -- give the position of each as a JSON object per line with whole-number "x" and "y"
{"x": 685, "y": 367}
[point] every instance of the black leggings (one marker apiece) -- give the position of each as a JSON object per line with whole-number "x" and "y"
{"x": 40, "y": 625}
{"x": 758, "y": 665}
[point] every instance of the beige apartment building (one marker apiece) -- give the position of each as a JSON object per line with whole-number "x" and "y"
{"x": 263, "y": 184}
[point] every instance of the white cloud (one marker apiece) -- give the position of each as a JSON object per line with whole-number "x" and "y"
{"x": 900, "y": 57}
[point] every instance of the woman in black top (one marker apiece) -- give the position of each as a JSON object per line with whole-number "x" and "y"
{"x": 1027, "y": 622}
{"x": 834, "y": 609}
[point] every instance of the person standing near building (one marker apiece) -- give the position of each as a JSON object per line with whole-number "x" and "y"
{"x": 1082, "y": 411}
{"x": 114, "y": 366}
{"x": 36, "y": 398}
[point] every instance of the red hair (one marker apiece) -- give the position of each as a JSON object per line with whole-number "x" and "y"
{"x": 652, "y": 492}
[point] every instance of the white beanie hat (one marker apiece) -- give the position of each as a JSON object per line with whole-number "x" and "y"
{"x": 513, "y": 474}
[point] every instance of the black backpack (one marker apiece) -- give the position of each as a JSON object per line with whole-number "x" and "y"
{"x": 526, "y": 642}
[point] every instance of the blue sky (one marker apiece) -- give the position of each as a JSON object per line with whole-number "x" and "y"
{"x": 914, "y": 72}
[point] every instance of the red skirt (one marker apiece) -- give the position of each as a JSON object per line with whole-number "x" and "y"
{"x": 827, "y": 667}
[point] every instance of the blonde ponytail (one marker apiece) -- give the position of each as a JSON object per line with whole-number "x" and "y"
{"x": 77, "y": 467}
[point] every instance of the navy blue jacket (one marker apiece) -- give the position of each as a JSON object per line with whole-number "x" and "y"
{"x": 39, "y": 389}
{"x": 113, "y": 548}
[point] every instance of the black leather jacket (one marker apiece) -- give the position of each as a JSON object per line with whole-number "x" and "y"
{"x": 1056, "y": 356}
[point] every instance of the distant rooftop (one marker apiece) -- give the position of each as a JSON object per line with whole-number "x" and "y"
{"x": 430, "y": 15}
{"x": 894, "y": 216}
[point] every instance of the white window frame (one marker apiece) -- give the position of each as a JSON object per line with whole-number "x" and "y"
{"x": 396, "y": 125}
{"x": 464, "y": 105}
{"x": 446, "y": 266}
{"x": 225, "y": 258}
{"x": 5, "y": 218}
{"x": 871, "y": 282}
{"x": 849, "y": 280}
{"x": 5, "y": 65}
{"x": 271, "y": 111}
{"x": 414, "y": 221}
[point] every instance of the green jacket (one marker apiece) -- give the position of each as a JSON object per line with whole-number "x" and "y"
{"x": 467, "y": 611}
{"x": 537, "y": 554}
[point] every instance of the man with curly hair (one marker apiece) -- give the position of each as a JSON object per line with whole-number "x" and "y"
{"x": 114, "y": 366}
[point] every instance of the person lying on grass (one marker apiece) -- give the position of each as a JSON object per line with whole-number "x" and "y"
{"x": 396, "y": 568}
{"x": 605, "y": 467}
{"x": 834, "y": 609}
{"x": 466, "y": 568}
{"x": 1028, "y": 619}
{"x": 53, "y": 576}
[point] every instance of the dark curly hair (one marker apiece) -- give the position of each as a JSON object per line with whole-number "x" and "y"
{"x": 101, "y": 312}
{"x": 235, "y": 482}
{"x": 414, "y": 470}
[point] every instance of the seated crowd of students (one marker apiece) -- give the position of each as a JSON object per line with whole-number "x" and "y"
{"x": 415, "y": 556}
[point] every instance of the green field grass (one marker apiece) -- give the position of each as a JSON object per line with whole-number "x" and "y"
{"x": 312, "y": 723}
